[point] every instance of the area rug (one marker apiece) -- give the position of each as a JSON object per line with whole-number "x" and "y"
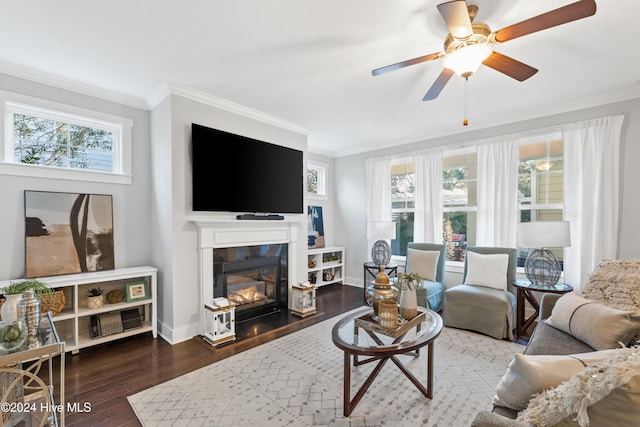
{"x": 296, "y": 380}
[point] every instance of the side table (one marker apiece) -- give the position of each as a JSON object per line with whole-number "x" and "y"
{"x": 524, "y": 291}
{"x": 30, "y": 397}
{"x": 371, "y": 270}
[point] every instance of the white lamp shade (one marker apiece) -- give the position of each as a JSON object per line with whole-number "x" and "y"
{"x": 544, "y": 234}
{"x": 381, "y": 230}
{"x": 466, "y": 60}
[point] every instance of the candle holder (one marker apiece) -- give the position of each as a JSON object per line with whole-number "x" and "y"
{"x": 220, "y": 321}
{"x": 388, "y": 314}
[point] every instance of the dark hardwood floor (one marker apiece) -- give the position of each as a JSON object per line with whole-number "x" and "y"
{"x": 103, "y": 376}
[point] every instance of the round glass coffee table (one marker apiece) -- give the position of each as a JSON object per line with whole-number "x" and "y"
{"x": 356, "y": 335}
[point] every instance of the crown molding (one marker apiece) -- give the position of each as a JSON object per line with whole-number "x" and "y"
{"x": 168, "y": 88}
{"x": 557, "y": 108}
{"x": 70, "y": 85}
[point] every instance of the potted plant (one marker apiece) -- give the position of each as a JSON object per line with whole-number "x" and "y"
{"x": 408, "y": 302}
{"x": 13, "y": 293}
{"x": 95, "y": 298}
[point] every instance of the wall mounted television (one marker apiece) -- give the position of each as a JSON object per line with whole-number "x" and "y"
{"x": 235, "y": 173}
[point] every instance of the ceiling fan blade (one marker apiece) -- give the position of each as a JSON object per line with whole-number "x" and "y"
{"x": 406, "y": 63}
{"x": 509, "y": 66}
{"x": 456, "y": 16}
{"x": 571, "y": 12}
{"x": 438, "y": 85}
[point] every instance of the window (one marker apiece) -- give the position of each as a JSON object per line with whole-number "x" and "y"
{"x": 459, "y": 193}
{"x": 56, "y": 141}
{"x": 316, "y": 180}
{"x": 403, "y": 187}
{"x": 540, "y": 185}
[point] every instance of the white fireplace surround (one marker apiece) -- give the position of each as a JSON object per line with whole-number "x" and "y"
{"x": 228, "y": 233}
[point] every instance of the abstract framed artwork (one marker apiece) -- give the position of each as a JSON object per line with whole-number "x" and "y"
{"x": 67, "y": 233}
{"x": 315, "y": 234}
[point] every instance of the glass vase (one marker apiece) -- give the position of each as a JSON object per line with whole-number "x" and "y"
{"x": 29, "y": 311}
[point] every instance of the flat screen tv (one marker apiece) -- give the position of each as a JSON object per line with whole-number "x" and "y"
{"x": 239, "y": 174}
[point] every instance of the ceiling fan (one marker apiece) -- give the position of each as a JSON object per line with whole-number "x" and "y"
{"x": 470, "y": 44}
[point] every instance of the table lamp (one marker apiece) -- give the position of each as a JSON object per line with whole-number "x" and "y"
{"x": 541, "y": 266}
{"x": 381, "y": 230}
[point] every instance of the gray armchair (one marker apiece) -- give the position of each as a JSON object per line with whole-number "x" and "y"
{"x": 483, "y": 309}
{"x": 432, "y": 292}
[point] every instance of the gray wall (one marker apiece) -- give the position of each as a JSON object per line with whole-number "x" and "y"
{"x": 328, "y": 203}
{"x": 153, "y": 219}
{"x": 174, "y": 235}
{"x": 351, "y": 215}
{"x": 131, "y": 203}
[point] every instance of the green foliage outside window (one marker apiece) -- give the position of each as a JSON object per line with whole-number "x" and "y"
{"x": 46, "y": 142}
{"x": 312, "y": 181}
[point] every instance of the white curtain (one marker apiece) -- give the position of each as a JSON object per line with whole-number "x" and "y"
{"x": 497, "y": 192}
{"x": 378, "y": 188}
{"x": 378, "y": 192}
{"x": 591, "y": 194}
{"x": 427, "y": 225}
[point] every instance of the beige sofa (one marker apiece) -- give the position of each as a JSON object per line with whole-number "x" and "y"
{"x": 558, "y": 365}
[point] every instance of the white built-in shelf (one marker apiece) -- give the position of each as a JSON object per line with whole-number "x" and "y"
{"x": 73, "y": 323}
{"x": 326, "y": 265}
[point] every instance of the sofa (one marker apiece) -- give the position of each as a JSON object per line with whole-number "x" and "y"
{"x": 578, "y": 344}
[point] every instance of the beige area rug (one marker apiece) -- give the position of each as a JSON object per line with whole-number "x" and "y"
{"x": 296, "y": 380}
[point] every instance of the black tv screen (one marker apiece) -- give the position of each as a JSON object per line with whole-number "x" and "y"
{"x": 239, "y": 174}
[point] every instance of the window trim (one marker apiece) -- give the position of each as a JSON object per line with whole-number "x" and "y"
{"x": 322, "y": 170}
{"x": 120, "y": 126}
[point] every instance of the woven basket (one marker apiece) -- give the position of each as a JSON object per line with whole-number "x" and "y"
{"x": 53, "y": 302}
{"x": 12, "y": 390}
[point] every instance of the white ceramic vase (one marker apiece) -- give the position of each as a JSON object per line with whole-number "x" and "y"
{"x": 9, "y": 309}
{"x": 408, "y": 303}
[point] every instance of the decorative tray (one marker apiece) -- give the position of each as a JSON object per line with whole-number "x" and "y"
{"x": 367, "y": 323}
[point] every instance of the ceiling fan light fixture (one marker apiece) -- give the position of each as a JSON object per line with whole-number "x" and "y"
{"x": 467, "y": 59}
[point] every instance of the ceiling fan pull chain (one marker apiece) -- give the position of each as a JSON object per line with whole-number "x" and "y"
{"x": 465, "y": 122}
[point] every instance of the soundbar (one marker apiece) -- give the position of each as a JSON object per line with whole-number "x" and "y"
{"x": 260, "y": 217}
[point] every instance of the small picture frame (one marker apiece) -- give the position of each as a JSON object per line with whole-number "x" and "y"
{"x": 137, "y": 290}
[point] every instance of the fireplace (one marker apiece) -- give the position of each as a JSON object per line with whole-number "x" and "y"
{"x": 252, "y": 277}
{"x": 256, "y": 286}
{"x": 227, "y": 240}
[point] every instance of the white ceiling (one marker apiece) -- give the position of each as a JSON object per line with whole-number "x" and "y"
{"x": 308, "y": 63}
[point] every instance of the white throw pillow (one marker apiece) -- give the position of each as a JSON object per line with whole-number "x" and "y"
{"x": 425, "y": 263}
{"x": 596, "y": 324}
{"x": 528, "y": 375}
{"x": 489, "y": 270}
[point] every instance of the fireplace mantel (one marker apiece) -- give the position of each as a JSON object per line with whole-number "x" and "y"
{"x": 223, "y": 233}
{"x": 226, "y": 233}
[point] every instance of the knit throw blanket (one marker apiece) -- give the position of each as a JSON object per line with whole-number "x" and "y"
{"x": 574, "y": 396}
{"x": 615, "y": 283}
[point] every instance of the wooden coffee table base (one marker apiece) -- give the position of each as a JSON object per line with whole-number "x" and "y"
{"x": 345, "y": 335}
{"x": 350, "y": 404}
